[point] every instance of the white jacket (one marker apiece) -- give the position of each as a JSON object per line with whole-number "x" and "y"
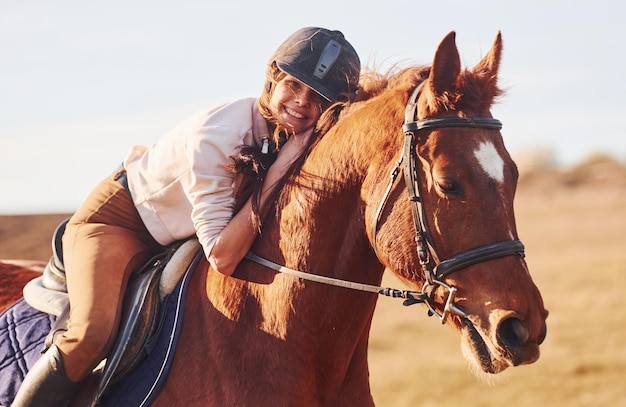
{"x": 180, "y": 185}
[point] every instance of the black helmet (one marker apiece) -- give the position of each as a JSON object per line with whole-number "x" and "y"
{"x": 321, "y": 59}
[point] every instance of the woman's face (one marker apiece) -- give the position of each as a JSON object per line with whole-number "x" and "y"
{"x": 296, "y": 106}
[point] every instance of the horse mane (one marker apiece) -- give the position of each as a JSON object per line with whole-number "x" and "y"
{"x": 386, "y": 93}
{"x": 373, "y": 84}
{"x": 252, "y": 166}
{"x": 473, "y": 91}
{"x": 328, "y": 175}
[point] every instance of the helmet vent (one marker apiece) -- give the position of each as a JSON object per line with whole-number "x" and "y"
{"x": 327, "y": 59}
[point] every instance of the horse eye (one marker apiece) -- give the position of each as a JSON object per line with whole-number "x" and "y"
{"x": 448, "y": 186}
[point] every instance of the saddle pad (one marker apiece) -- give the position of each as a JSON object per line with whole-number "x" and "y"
{"x": 22, "y": 333}
{"x": 23, "y": 330}
{"x": 141, "y": 386}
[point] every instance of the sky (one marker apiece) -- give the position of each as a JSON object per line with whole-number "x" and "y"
{"x": 83, "y": 81}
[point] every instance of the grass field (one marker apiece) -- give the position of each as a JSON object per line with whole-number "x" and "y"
{"x": 574, "y": 229}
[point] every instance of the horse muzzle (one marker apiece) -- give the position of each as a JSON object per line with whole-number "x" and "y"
{"x": 512, "y": 343}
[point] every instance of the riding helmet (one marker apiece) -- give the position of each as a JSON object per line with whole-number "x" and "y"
{"x": 321, "y": 59}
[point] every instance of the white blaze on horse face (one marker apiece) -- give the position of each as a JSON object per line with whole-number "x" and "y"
{"x": 490, "y": 160}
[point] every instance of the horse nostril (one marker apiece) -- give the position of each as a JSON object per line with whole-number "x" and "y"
{"x": 512, "y": 333}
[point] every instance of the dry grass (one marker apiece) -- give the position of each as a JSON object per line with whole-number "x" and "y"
{"x": 574, "y": 228}
{"x": 28, "y": 236}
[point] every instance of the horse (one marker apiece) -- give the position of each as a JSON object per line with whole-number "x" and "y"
{"x": 291, "y": 325}
{"x": 14, "y": 274}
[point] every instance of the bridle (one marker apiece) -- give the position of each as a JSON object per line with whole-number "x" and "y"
{"x": 425, "y": 249}
{"x": 433, "y": 275}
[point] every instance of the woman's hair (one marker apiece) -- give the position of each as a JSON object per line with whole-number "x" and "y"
{"x": 279, "y": 133}
{"x": 252, "y": 165}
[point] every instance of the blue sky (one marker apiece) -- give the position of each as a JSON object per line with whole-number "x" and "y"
{"x": 83, "y": 81}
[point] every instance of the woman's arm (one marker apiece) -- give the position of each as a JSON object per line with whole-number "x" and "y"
{"x": 235, "y": 240}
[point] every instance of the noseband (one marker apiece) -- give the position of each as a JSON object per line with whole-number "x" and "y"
{"x": 425, "y": 249}
{"x": 433, "y": 276}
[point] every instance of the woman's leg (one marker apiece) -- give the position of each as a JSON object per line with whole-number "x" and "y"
{"x": 104, "y": 242}
{"x": 46, "y": 384}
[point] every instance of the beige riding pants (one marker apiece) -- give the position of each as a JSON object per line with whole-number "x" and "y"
{"x": 105, "y": 241}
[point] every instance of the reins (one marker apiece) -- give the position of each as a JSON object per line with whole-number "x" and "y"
{"x": 411, "y": 296}
{"x": 425, "y": 249}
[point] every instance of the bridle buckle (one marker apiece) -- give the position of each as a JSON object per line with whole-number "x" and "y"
{"x": 449, "y": 307}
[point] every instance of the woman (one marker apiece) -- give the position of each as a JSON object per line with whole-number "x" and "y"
{"x": 183, "y": 186}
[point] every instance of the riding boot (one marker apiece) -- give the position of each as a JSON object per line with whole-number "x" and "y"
{"x": 46, "y": 384}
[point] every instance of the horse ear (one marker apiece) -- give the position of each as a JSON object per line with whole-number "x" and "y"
{"x": 489, "y": 65}
{"x": 446, "y": 65}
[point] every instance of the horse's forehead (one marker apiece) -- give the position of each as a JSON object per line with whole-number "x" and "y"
{"x": 481, "y": 154}
{"x": 490, "y": 160}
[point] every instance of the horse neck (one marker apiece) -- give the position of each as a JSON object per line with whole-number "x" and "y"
{"x": 320, "y": 229}
{"x": 320, "y": 331}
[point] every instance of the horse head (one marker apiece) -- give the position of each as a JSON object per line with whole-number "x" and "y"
{"x": 461, "y": 182}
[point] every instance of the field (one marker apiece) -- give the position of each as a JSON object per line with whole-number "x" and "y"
{"x": 574, "y": 227}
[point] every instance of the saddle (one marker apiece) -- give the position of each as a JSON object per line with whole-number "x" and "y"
{"x": 141, "y": 315}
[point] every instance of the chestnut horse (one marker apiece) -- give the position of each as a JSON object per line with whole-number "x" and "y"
{"x": 14, "y": 274}
{"x": 263, "y": 337}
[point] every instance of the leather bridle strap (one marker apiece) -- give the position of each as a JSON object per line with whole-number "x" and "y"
{"x": 478, "y": 255}
{"x": 422, "y": 237}
{"x": 476, "y": 122}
